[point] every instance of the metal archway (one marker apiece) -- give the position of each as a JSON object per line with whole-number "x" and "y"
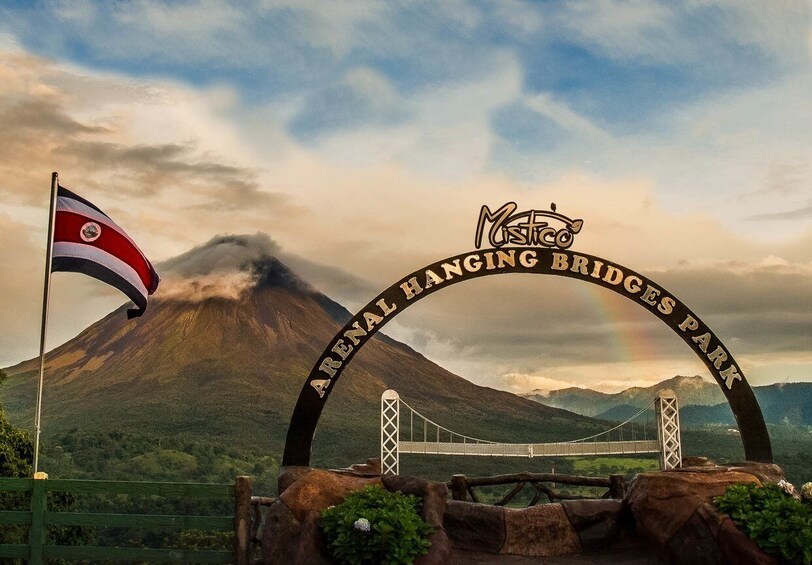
{"x": 545, "y": 261}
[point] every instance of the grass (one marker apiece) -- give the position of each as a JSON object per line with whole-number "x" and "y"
{"x": 605, "y": 466}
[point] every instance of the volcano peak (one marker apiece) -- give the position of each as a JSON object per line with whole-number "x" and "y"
{"x": 270, "y": 272}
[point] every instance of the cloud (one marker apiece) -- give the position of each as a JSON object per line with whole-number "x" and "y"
{"x": 226, "y": 266}
{"x": 168, "y": 31}
{"x": 448, "y": 134}
{"x": 222, "y": 254}
{"x": 362, "y": 97}
{"x": 100, "y": 147}
{"x": 545, "y": 104}
{"x": 519, "y": 19}
{"x": 733, "y": 156}
{"x": 24, "y": 266}
{"x": 766, "y": 286}
{"x": 492, "y": 330}
{"x": 365, "y": 137}
{"x": 362, "y": 225}
{"x": 147, "y": 170}
{"x": 350, "y": 290}
{"x": 339, "y": 27}
{"x": 520, "y": 383}
{"x": 797, "y": 214}
{"x": 206, "y": 17}
{"x": 777, "y": 29}
{"x": 751, "y": 136}
{"x": 230, "y": 286}
{"x": 694, "y": 31}
{"x": 624, "y": 30}
{"x": 82, "y": 12}
{"x": 625, "y": 376}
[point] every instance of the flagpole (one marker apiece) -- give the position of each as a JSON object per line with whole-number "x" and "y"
{"x": 45, "y": 299}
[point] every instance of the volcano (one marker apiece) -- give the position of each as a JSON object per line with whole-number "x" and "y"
{"x": 230, "y": 368}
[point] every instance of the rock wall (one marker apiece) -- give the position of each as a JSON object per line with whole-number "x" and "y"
{"x": 572, "y": 526}
{"x": 670, "y": 511}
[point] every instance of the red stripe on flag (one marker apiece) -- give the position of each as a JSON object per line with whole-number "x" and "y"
{"x": 68, "y": 228}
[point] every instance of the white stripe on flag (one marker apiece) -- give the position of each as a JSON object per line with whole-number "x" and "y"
{"x": 84, "y": 251}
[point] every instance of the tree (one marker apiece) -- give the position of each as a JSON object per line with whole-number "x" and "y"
{"x": 16, "y": 450}
{"x": 16, "y": 460}
{"x": 16, "y": 457}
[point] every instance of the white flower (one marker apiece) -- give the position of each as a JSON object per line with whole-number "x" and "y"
{"x": 361, "y": 524}
{"x": 806, "y": 492}
{"x": 789, "y": 489}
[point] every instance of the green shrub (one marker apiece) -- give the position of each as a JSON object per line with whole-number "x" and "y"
{"x": 779, "y": 523}
{"x": 375, "y": 526}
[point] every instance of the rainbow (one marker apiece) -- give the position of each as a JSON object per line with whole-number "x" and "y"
{"x": 630, "y": 341}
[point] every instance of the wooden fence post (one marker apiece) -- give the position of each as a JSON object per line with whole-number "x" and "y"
{"x": 617, "y": 486}
{"x": 36, "y": 535}
{"x": 459, "y": 488}
{"x": 242, "y": 520}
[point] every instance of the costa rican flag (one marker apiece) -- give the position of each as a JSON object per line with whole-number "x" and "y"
{"x": 87, "y": 241}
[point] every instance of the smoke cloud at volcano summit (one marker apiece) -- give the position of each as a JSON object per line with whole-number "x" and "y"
{"x": 225, "y": 267}
{"x": 228, "y": 265}
{"x": 221, "y": 254}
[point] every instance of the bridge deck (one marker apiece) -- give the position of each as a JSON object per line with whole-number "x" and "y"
{"x": 530, "y": 449}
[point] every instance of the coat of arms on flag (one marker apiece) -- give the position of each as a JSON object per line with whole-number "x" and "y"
{"x": 87, "y": 241}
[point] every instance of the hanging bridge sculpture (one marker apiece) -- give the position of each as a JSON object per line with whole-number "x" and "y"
{"x": 427, "y": 437}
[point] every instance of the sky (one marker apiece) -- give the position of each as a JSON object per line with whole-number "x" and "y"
{"x": 358, "y": 141}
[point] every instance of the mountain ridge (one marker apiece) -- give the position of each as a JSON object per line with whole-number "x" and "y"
{"x": 690, "y": 390}
{"x": 701, "y": 402}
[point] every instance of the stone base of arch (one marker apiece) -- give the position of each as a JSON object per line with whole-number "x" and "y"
{"x": 667, "y": 516}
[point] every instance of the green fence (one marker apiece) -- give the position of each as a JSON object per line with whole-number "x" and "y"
{"x": 39, "y": 518}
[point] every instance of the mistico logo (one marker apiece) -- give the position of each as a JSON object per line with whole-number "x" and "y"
{"x": 508, "y": 227}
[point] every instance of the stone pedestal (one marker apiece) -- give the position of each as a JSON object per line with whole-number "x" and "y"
{"x": 673, "y": 510}
{"x": 292, "y": 533}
